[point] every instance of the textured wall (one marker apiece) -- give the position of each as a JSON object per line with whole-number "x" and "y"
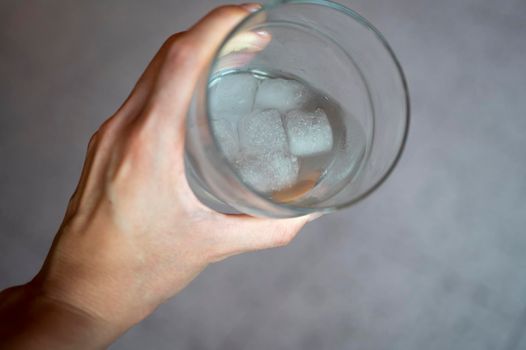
{"x": 434, "y": 260}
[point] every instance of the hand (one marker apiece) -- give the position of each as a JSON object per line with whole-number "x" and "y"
{"x": 134, "y": 235}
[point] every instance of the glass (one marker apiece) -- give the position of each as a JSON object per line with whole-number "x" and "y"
{"x": 339, "y": 53}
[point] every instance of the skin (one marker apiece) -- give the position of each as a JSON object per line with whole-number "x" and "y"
{"x": 134, "y": 235}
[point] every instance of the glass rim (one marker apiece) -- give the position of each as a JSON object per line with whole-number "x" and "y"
{"x": 300, "y": 210}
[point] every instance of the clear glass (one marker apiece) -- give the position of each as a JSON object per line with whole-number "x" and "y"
{"x": 336, "y": 51}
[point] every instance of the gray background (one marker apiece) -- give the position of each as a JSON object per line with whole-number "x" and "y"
{"x": 434, "y": 260}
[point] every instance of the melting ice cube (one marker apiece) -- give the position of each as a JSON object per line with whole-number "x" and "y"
{"x": 262, "y": 131}
{"x": 309, "y": 133}
{"x": 282, "y": 94}
{"x": 268, "y": 172}
{"x": 233, "y": 96}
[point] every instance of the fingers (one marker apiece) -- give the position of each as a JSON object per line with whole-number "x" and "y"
{"x": 284, "y": 233}
{"x": 247, "y": 233}
{"x": 186, "y": 59}
{"x": 173, "y": 71}
{"x": 242, "y": 47}
{"x": 251, "y": 234}
{"x": 247, "y": 43}
{"x": 315, "y": 216}
{"x": 142, "y": 90}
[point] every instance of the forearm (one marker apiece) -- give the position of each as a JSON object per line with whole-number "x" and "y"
{"x": 30, "y": 320}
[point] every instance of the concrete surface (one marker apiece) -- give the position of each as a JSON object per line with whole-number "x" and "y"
{"x": 434, "y": 260}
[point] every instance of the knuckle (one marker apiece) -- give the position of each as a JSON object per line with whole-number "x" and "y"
{"x": 93, "y": 141}
{"x": 179, "y": 50}
{"x": 106, "y": 128}
{"x": 173, "y": 39}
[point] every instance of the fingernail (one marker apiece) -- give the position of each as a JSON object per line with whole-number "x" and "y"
{"x": 263, "y": 33}
{"x": 251, "y": 7}
{"x": 245, "y": 42}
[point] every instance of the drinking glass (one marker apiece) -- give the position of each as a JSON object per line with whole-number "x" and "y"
{"x": 335, "y": 50}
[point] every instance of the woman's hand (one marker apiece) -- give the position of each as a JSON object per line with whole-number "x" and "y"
{"x": 134, "y": 235}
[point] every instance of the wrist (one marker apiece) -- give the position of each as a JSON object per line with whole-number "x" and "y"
{"x": 79, "y": 273}
{"x": 95, "y": 303}
{"x": 29, "y": 319}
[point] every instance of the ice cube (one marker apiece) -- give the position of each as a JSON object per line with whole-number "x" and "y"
{"x": 262, "y": 131}
{"x": 227, "y": 137}
{"x": 268, "y": 172}
{"x": 283, "y": 95}
{"x": 309, "y": 133}
{"x": 232, "y": 96}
